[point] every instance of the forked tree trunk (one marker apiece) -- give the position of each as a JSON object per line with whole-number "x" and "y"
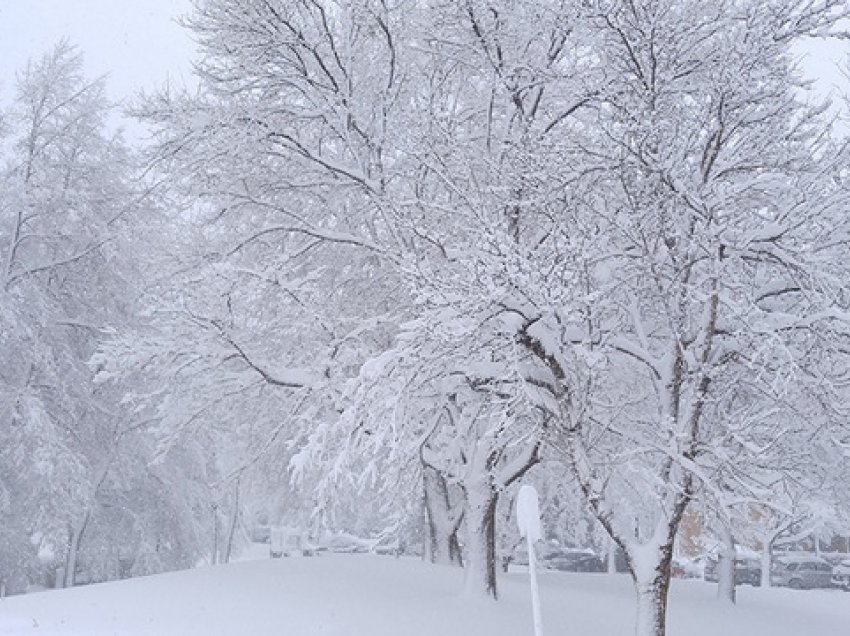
{"x": 649, "y": 561}
{"x": 76, "y": 533}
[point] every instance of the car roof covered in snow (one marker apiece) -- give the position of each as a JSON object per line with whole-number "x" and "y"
{"x": 799, "y": 558}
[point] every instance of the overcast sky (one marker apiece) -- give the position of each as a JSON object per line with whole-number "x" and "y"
{"x": 140, "y": 45}
{"x": 137, "y": 42}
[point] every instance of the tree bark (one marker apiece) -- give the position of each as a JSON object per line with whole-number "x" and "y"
{"x": 234, "y": 522}
{"x": 611, "y": 560}
{"x": 75, "y": 540}
{"x": 214, "y": 557}
{"x": 650, "y": 567}
{"x": 443, "y": 545}
{"x": 766, "y": 562}
{"x": 480, "y": 554}
{"x": 726, "y": 567}
{"x": 652, "y": 607}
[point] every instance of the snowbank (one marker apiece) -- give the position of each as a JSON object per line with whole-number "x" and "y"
{"x": 368, "y": 595}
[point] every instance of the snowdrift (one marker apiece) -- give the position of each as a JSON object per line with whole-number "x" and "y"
{"x": 368, "y": 595}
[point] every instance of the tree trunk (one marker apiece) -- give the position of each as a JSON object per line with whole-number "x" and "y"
{"x": 234, "y": 522}
{"x": 726, "y": 567}
{"x": 766, "y": 562}
{"x": 651, "y": 608}
{"x": 443, "y": 545}
{"x": 214, "y": 557}
{"x": 455, "y": 552}
{"x": 75, "y": 534}
{"x": 480, "y": 555}
{"x": 75, "y": 540}
{"x": 612, "y": 558}
{"x": 650, "y": 566}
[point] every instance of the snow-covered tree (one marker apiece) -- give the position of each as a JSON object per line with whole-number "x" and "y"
{"x": 67, "y": 201}
{"x": 495, "y": 224}
{"x": 719, "y": 268}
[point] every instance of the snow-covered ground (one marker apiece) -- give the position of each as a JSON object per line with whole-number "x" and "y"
{"x": 367, "y": 595}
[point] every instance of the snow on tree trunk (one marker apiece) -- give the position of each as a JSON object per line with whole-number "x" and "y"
{"x": 234, "y": 522}
{"x": 612, "y": 558}
{"x": 726, "y": 567}
{"x": 650, "y": 565}
{"x": 214, "y": 553}
{"x": 480, "y": 556}
{"x": 651, "y": 608}
{"x": 443, "y": 545}
{"x": 75, "y": 539}
{"x": 455, "y": 551}
{"x": 766, "y": 561}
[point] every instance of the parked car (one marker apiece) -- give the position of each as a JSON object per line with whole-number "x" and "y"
{"x": 834, "y": 558}
{"x": 284, "y": 542}
{"x": 345, "y": 544}
{"x": 544, "y": 550}
{"x": 261, "y": 533}
{"x": 841, "y": 575}
{"x": 686, "y": 568}
{"x": 747, "y": 571}
{"x": 396, "y": 547}
{"x": 575, "y": 561}
{"x": 801, "y": 572}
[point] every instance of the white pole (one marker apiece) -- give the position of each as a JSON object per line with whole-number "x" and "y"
{"x": 535, "y": 592}
{"x": 528, "y": 521}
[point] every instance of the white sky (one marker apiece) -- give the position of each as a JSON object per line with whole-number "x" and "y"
{"x": 139, "y": 44}
{"x": 827, "y": 64}
{"x": 136, "y": 42}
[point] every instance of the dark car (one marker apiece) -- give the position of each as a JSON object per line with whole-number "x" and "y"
{"x": 575, "y": 561}
{"x": 544, "y": 550}
{"x": 747, "y": 571}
